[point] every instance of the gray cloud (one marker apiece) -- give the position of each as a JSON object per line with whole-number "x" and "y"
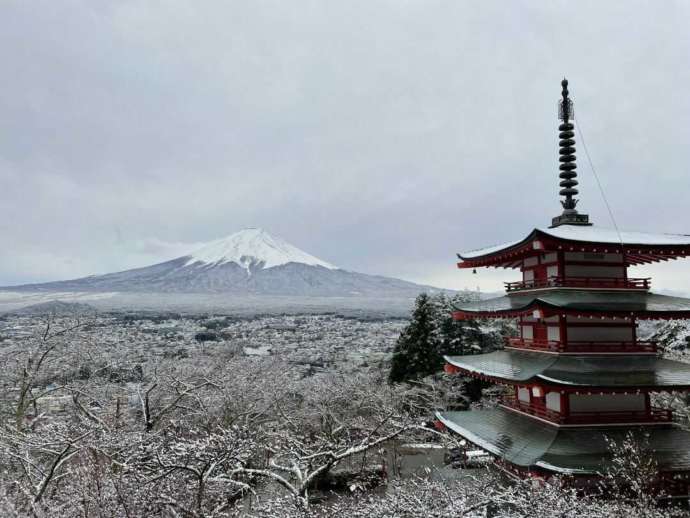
{"x": 382, "y": 136}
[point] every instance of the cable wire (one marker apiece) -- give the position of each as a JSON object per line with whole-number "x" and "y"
{"x": 601, "y": 189}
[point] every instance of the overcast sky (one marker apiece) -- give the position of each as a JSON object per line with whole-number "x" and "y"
{"x": 381, "y": 136}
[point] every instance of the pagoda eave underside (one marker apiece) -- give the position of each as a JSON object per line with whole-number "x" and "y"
{"x": 578, "y": 303}
{"x": 574, "y": 389}
{"x": 530, "y": 443}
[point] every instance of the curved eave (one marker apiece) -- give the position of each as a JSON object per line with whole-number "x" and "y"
{"x": 572, "y": 388}
{"x": 539, "y": 242}
{"x": 528, "y": 443}
{"x": 509, "y": 255}
{"x": 579, "y": 303}
{"x": 469, "y": 435}
{"x": 574, "y": 374}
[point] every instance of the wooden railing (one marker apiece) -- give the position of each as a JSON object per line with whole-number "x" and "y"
{"x": 639, "y": 346}
{"x": 654, "y": 415}
{"x": 544, "y": 413}
{"x": 580, "y": 282}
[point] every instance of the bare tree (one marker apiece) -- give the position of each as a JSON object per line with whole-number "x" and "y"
{"x": 31, "y": 366}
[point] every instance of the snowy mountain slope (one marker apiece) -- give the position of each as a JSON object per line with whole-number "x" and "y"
{"x": 249, "y": 262}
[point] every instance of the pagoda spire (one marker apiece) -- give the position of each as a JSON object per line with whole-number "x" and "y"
{"x": 568, "y": 166}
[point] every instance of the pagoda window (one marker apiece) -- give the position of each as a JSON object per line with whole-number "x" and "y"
{"x": 553, "y": 401}
{"x": 552, "y": 271}
{"x": 553, "y": 333}
{"x": 530, "y": 261}
{"x": 528, "y": 275}
{"x": 523, "y": 394}
{"x": 527, "y": 333}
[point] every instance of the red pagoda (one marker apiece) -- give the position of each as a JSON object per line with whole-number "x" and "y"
{"x": 577, "y": 373}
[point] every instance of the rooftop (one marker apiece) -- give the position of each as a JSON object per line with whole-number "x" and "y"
{"x": 636, "y": 244}
{"x": 632, "y": 371}
{"x": 529, "y": 443}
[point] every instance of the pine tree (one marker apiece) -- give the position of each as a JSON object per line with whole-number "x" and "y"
{"x": 416, "y": 353}
{"x": 433, "y": 334}
{"x": 456, "y": 340}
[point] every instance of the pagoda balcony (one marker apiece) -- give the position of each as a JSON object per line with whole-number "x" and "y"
{"x": 601, "y": 347}
{"x": 651, "y": 416}
{"x": 580, "y": 282}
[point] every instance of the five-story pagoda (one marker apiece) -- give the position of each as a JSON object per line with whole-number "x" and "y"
{"x": 577, "y": 373}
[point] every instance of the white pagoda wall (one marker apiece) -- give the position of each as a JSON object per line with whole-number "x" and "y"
{"x": 553, "y": 401}
{"x": 593, "y": 257}
{"x": 600, "y": 334}
{"x": 553, "y": 333}
{"x": 523, "y": 394}
{"x": 616, "y": 270}
{"x": 581, "y": 270}
{"x": 601, "y": 265}
{"x": 606, "y": 402}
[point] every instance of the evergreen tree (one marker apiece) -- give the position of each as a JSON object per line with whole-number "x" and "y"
{"x": 458, "y": 338}
{"x": 416, "y": 353}
{"x": 433, "y": 334}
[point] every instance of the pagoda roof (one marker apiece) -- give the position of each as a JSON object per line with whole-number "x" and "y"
{"x": 530, "y": 443}
{"x": 611, "y": 372}
{"x": 639, "y": 247}
{"x": 592, "y": 303}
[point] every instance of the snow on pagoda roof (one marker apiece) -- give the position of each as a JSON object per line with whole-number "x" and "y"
{"x": 589, "y": 234}
{"x": 577, "y": 371}
{"x": 629, "y": 303}
{"x": 594, "y": 234}
{"x": 471, "y": 254}
{"x": 527, "y": 442}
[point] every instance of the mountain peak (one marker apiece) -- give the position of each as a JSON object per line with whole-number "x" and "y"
{"x": 252, "y": 247}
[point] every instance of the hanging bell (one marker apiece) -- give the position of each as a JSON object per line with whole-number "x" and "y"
{"x": 474, "y": 271}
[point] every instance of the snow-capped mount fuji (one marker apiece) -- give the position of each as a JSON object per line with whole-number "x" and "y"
{"x": 249, "y": 262}
{"x": 253, "y": 248}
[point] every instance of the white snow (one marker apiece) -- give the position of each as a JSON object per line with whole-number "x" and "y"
{"x": 470, "y": 254}
{"x": 609, "y": 235}
{"x": 251, "y": 247}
